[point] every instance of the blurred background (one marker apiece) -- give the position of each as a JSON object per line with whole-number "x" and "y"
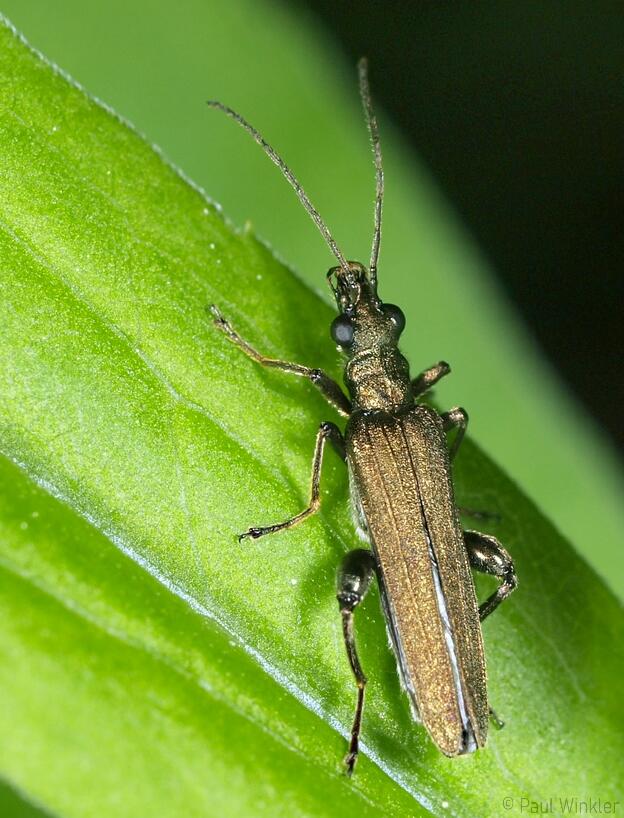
{"x": 502, "y": 132}
{"x": 518, "y": 110}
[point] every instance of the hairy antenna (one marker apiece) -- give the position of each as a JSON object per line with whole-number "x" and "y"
{"x": 290, "y": 176}
{"x": 373, "y": 129}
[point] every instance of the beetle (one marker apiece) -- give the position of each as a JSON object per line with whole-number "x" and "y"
{"x": 399, "y": 466}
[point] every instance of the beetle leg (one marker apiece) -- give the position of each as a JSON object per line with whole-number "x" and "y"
{"x": 429, "y": 377}
{"x": 353, "y": 581}
{"x": 327, "y": 431}
{"x": 456, "y": 418}
{"x": 488, "y": 556}
{"x": 496, "y": 719}
{"x": 330, "y": 390}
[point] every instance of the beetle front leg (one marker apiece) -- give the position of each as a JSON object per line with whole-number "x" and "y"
{"x": 353, "y": 581}
{"x": 429, "y": 377}
{"x": 330, "y": 390}
{"x": 327, "y": 431}
{"x": 456, "y": 418}
{"x": 488, "y": 556}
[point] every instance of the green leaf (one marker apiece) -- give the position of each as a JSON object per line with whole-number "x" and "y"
{"x": 150, "y": 665}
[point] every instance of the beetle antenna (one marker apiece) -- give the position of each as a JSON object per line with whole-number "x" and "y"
{"x": 290, "y": 176}
{"x": 373, "y": 130}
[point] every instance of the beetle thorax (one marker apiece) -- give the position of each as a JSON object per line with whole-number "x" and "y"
{"x": 378, "y": 379}
{"x": 377, "y": 375}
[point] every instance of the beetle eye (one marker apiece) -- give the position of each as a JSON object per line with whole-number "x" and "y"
{"x": 395, "y": 314}
{"x": 341, "y": 331}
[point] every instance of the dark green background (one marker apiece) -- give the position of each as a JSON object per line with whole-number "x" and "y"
{"x": 518, "y": 108}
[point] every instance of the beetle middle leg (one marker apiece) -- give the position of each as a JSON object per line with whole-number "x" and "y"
{"x": 327, "y": 431}
{"x": 488, "y": 556}
{"x": 456, "y": 418}
{"x": 353, "y": 581}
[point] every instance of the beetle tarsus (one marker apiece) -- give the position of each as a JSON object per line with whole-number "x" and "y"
{"x": 496, "y": 720}
{"x": 253, "y": 533}
{"x": 354, "y": 744}
{"x": 349, "y": 762}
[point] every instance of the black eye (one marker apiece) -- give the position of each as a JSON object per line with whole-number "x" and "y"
{"x": 341, "y": 331}
{"x": 395, "y": 314}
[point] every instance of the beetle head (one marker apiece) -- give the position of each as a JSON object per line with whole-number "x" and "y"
{"x": 364, "y": 322}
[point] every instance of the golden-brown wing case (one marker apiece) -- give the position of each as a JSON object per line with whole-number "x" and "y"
{"x": 400, "y": 475}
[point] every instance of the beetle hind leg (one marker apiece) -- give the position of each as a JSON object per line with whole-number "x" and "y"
{"x": 488, "y": 556}
{"x": 496, "y": 719}
{"x": 353, "y": 581}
